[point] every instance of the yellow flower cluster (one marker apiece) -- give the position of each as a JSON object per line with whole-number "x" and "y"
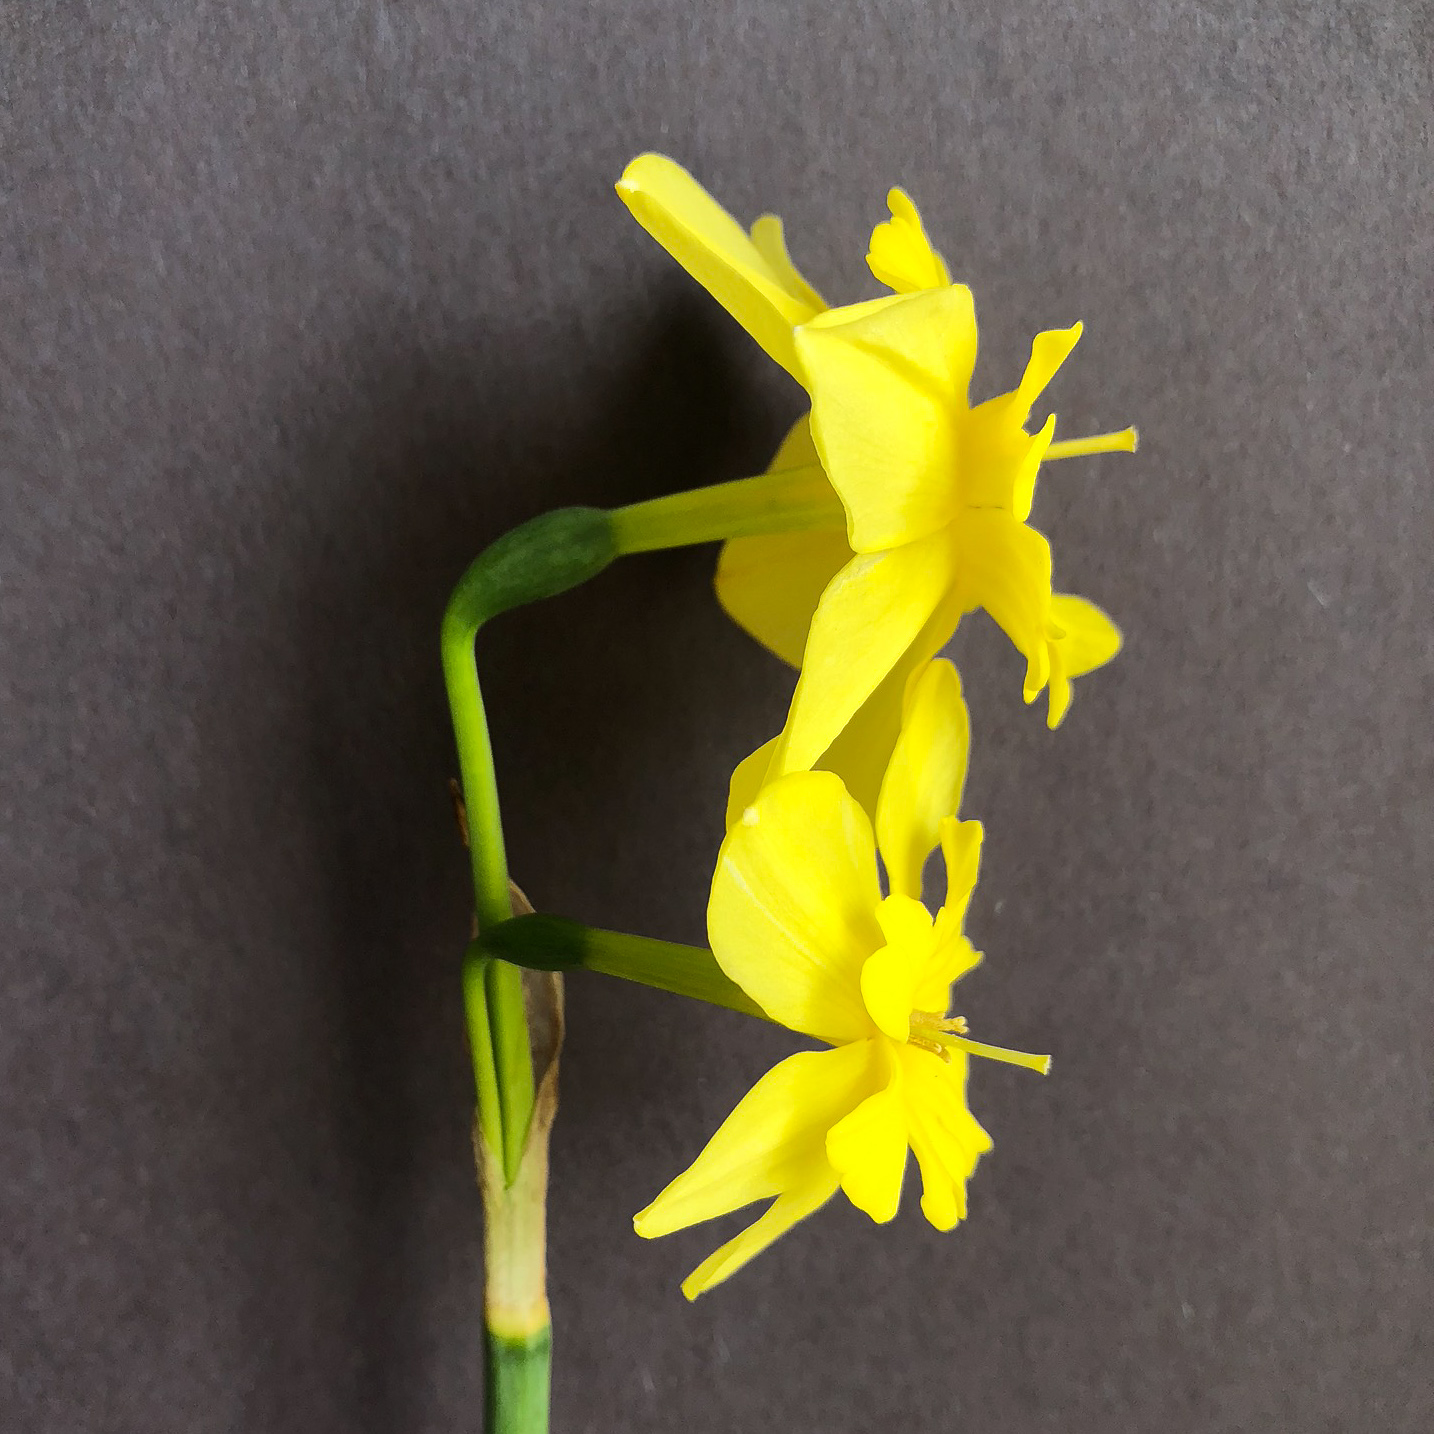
{"x": 936, "y": 494}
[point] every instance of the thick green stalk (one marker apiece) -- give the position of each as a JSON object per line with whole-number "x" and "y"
{"x": 519, "y": 1374}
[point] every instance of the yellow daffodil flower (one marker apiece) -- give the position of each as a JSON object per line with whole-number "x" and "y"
{"x": 797, "y": 919}
{"x": 936, "y": 493}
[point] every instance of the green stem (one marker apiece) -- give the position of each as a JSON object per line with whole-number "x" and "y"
{"x": 480, "y": 1041}
{"x": 497, "y": 1027}
{"x": 539, "y": 559}
{"x": 517, "y": 1384}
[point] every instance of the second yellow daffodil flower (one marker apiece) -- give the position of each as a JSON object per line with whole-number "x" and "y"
{"x": 797, "y": 919}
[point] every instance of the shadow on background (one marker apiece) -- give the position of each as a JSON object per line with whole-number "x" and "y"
{"x": 438, "y": 468}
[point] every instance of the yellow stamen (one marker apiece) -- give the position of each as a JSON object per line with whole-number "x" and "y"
{"x": 934, "y": 1021}
{"x": 925, "y": 1043}
{"x": 1122, "y": 442}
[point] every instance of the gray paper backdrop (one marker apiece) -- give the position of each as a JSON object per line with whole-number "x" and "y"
{"x": 305, "y": 303}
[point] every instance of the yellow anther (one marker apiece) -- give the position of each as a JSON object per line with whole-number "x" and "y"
{"x": 924, "y": 1043}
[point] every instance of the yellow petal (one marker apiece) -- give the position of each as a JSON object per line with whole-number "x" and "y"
{"x": 749, "y": 779}
{"x": 961, "y": 849}
{"x": 926, "y": 774}
{"x": 776, "y": 1220}
{"x": 1049, "y": 350}
{"x": 946, "y": 1138}
{"x": 890, "y": 975}
{"x": 901, "y": 256}
{"x": 1058, "y": 690}
{"x": 1083, "y": 638}
{"x": 770, "y": 585}
{"x": 797, "y": 449}
{"x": 867, "y": 620}
{"x": 792, "y": 913}
{"x": 1089, "y": 639}
{"x": 1023, "y": 489}
{"x": 888, "y": 382}
{"x": 861, "y": 752}
{"x": 717, "y": 252}
{"x": 999, "y": 459}
{"x": 773, "y": 1142}
{"x": 868, "y": 1151}
{"x": 1006, "y": 569}
{"x": 952, "y": 955}
{"x": 771, "y": 241}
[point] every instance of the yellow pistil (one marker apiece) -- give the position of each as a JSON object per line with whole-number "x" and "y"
{"x": 1123, "y": 442}
{"x": 941, "y": 1034}
{"x": 928, "y": 1029}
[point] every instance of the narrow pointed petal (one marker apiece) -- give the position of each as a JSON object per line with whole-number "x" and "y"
{"x": 1023, "y": 488}
{"x": 926, "y": 774}
{"x": 867, "y": 620}
{"x": 946, "y": 1138}
{"x": 868, "y": 1151}
{"x": 779, "y": 1217}
{"x": 888, "y": 380}
{"x": 901, "y": 256}
{"x": 711, "y": 245}
{"x": 1059, "y": 690}
{"x": 774, "y": 1141}
{"x": 952, "y": 955}
{"x": 792, "y": 913}
{"x": 961, "y": 849}
{"x": 769, "y": 235}
{"x": 1000, "y": 460}
{"x": 1006, "y": 569}
{"x": 1049, "y": 350}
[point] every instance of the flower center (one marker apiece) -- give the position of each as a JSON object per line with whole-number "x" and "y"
{"x": 929, "y": 1029}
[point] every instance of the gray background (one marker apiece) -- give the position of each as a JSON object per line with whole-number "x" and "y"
{"x": 304, "y": 303}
